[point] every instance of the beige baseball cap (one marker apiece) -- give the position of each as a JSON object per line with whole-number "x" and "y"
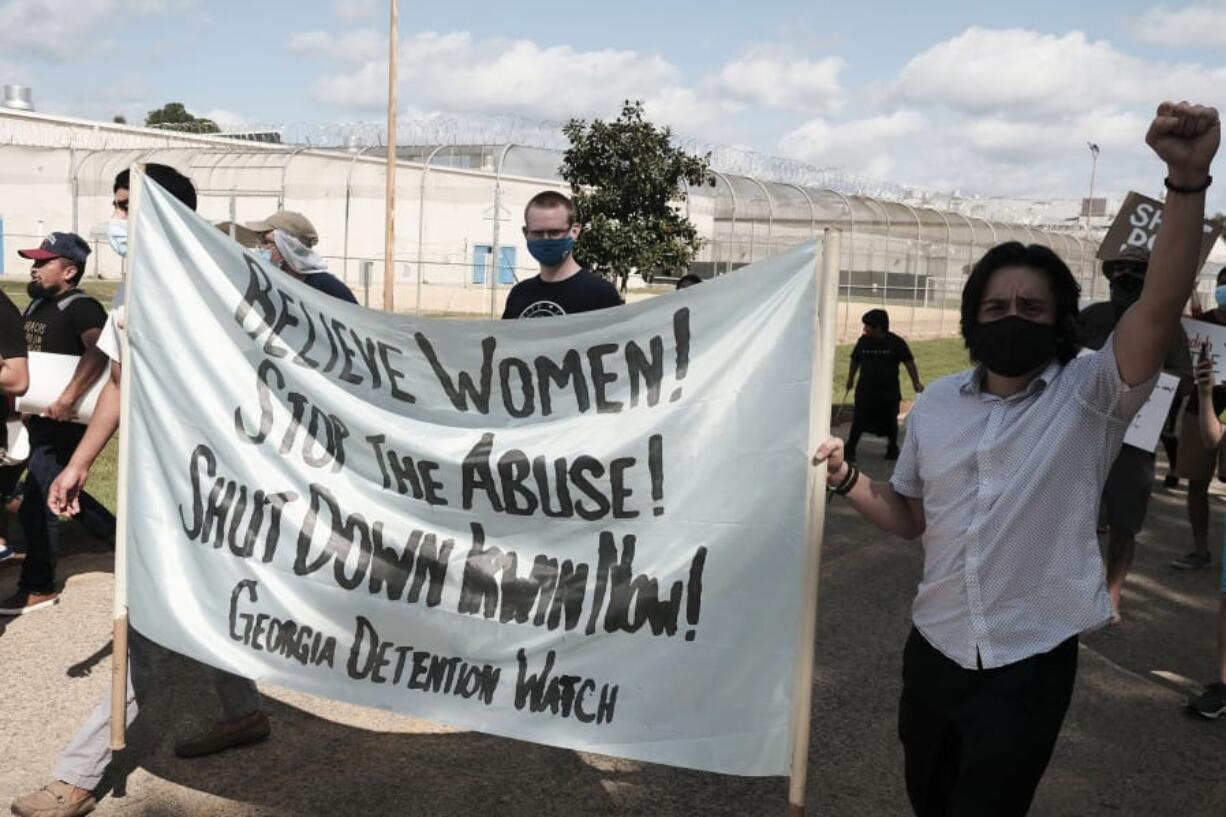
{"x": 296, "y": 224}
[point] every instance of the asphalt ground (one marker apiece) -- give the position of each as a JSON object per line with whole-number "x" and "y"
{"x": 1128, "y": 746}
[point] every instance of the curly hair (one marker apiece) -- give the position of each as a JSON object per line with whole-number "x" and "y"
{"x": 1064, "y": 288}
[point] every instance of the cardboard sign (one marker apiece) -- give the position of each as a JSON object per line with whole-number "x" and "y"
{"x": 1136, "y": 225}
{"x": 1146, "y": 427}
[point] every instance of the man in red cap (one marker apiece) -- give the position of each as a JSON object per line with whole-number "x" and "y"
{"x": 61, "y": 319}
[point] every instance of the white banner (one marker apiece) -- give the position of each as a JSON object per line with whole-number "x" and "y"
{"x": 586, "y": 531}
{"x": 50, "y": 374}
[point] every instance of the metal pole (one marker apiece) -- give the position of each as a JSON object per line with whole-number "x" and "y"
{"x": 389, "y": 243}
{"x": 1090, "y": 209}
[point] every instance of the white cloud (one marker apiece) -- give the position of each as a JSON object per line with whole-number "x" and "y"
{"x": 863, "y": 145}
{"x": 1191, "y": 26}
{"x": 807, "y": 86}
{"x": 227, "y": 120}
{"x": 1026, "y": 73}
{"x": 455, "y": 72}
{"x": 64, "y": 29}
{"x": 353, "y": 10}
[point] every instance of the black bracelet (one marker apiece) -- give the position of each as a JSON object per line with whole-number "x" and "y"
{"x": 849, "y": 481}
{"x": 1174, "y": 188}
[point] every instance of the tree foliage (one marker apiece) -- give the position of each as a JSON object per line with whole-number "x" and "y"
{"x": 626, "y": 178}
{"x": 175, "y": 116}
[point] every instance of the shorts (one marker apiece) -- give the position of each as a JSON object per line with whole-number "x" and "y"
{"x": 1195, "y": 462}
{"x": 1126, "y": 494}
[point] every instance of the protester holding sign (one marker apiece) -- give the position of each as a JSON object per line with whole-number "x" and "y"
{"x": 1131, "y": 480}
{"x": 61, "y": 319}
{"x": 14, "y": 380}
{"x": 1212, "y": 702}
{"x": 562, "y": 287}
{"x": 1195, "y": 463}
{"x": 1001, "y": 472}
{"x": 876, "y": 358}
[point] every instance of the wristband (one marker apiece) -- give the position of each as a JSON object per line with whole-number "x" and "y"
{"x": 849, "y": 481}
{"x": 1174, "y": 188}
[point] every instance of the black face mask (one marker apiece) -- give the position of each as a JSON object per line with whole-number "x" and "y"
{"x": 1125, "y": 291}
{"x": 1013, "y": 346}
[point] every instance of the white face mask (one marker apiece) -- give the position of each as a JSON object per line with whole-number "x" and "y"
{"x": 117, "y": 235}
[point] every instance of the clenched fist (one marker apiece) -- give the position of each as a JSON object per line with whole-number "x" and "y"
{"x": 1186, "y": 137}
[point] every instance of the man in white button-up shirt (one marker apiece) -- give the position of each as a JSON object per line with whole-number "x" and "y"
{"x": 1000, "y": 474}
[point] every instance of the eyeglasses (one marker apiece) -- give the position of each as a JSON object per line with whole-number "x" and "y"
{"x": 552, "y": 235}
{"x": 120, "y": 205}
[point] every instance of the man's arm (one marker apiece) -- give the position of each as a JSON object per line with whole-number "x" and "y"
{"x": 62, "y": 497}
{"x": 914, "y": 373}
{"x": 1210, "y": 426}
{"x": 877, "y": 502}
{"x": 1186, "y": 137}
{"x": 851, "y": 374}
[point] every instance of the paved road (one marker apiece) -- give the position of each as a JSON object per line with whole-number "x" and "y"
{"x": 1128, "y": 748}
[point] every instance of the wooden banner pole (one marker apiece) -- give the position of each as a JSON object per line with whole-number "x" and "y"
{"x": 119, "y": 610}
{"x": 820, "y": 396}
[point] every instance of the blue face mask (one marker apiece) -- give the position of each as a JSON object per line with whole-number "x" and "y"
{"x": 265, "y": 255}
{"x": 117, "y": 235}
{"x": 550, "y": 252}
{"x": 1219, "y": 295}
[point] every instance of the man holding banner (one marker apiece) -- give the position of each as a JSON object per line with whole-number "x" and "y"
{"x": 1000, "y": 474}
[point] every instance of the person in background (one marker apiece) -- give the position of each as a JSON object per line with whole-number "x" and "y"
{"x": 286, "y": 241}
{"x": 1001, "y": 474}
{"x": 563, "y": 286}
{"x": 1130, "y": 483}
{"x": 61, "y": 319}
{"x": 688, "y": 280}
{"x": 1212, "y": 702}
{"x": 1195, "y": 464}
{"x": 876, "y": 358}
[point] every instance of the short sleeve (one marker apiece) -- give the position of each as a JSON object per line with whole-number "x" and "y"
{"x": 1103, "y": 391}
{"x": 611, "y": 296}
{"x": 856, "y": 350}
{"x": 85, "y": 314}
{"x": 904, "y": 352}
{"x": 12, "y": 330}
{"x": 110, "y": 340}
{"x": 906, "y": 480}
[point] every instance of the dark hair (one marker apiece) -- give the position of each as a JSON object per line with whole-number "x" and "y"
{"x": 688, "y": 280}
{"x": 876, "y": 318}
{"x": 80, "y": 265}
{"x": 1220, "y": 275}
{"x": 1064, "y": 289}
{"x": 176, "y": 183}
{"x": 548, "y": 199}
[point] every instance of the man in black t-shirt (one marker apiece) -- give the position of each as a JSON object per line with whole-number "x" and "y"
{"x": 61, "y": 319}
{"x": 876, "y": 358}
{"x": 563, "y": 287}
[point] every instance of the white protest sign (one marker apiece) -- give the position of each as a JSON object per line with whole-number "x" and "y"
{"x": 49, "y": 375}
{"x": 1201, "y": 333}
{"x": 1146, "y": 427}
{"x": 587, "y": 532}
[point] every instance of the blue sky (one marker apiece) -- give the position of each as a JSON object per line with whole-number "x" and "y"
{"x": 987, "y": 98}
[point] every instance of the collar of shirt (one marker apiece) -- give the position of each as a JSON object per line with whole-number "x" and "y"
{"x": 972, "y": 382}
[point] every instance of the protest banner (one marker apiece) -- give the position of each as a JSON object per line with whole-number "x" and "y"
{"x": 1136, "y": 225}
{"x": 590, "y": 532}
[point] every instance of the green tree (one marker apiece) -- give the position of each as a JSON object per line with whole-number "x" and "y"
{"x": 120, "y": 120}
{"x": 626, "y": 178}
{"x": 175, "y": 116}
